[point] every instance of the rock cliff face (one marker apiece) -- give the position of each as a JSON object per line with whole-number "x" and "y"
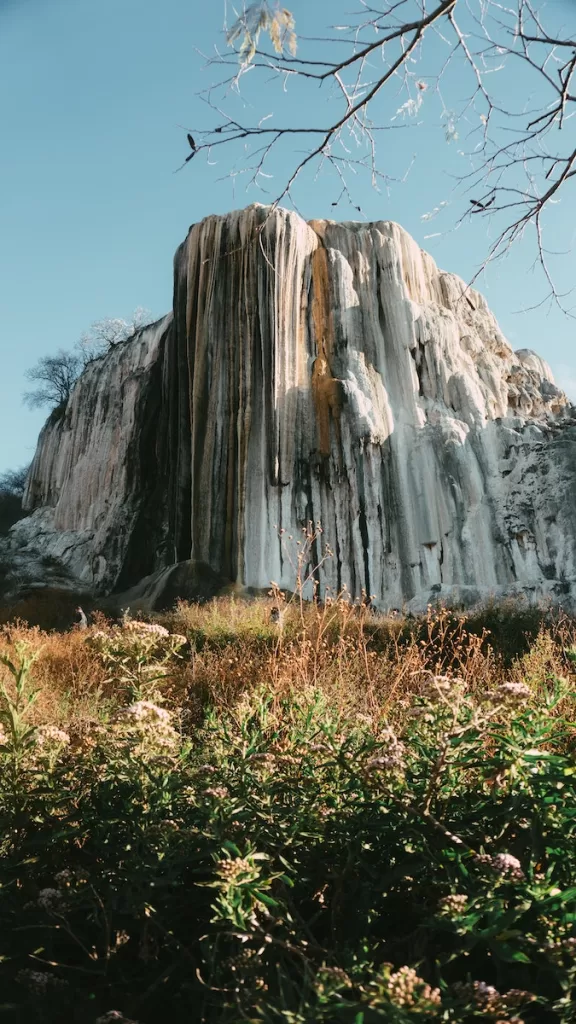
{"x": 324, "y": 372}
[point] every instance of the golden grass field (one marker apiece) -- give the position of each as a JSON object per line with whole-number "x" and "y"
{"x": 364, "y": 661}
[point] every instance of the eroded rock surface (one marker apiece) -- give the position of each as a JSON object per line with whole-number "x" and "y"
{"x": 313, "y": 372}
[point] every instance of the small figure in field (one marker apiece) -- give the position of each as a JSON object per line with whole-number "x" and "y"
{"x": 81, "y": 622}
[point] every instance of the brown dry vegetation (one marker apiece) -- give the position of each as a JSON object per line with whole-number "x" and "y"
{"x": 364, "y": 662}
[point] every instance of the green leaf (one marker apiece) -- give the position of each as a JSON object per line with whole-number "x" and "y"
{"x": 264, "y": 898}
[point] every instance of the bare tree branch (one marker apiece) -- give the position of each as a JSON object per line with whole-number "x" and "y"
{"x": 521, "y": 156}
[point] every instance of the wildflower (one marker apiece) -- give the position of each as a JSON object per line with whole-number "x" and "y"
{"x": 486, "y": 997}
{"x": 438, "y": 685}
{"x": 39, "y": 982}
{"x": 504, "y": 864}
{"x": 64, "y": 878}
{"x": 443, "y": 683}
{"x": 218, "y": 792}
{"x": 265, "y": 758}
{"x": 237, "y": 871}
{"x": 453, "y": 905}
{"x": 148, "y": 728}
{"x": 287, "y": 759}
{"x": 67, "y": 878}
{"x": 518, "y": 997}
{"x": 514, "y": 692}
{"x": 338, "y": 975}
{"x": 52, "y": 901}
{"x": 50, "y": 736}
{"x": 406, "y": 989}
{"x": 153, "y": 628}
{"x": 242, "y": 961}
{"x": 382, "y": 763}
{"x": 178, "y": 639}
{"x": 145, "y": 711}
{"x": 392, "y": 758}
{"x": 421, "y": 712}
{"x": 324, "y": 811}
{"x": 332, "y": 977}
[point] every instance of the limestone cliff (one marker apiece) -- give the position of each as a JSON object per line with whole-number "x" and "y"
{"x": 314, "y": 371}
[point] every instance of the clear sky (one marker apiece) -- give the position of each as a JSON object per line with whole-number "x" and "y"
{"x": 93, "y": 92}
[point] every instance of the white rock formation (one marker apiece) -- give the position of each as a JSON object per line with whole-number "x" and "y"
{"x": 314, "y": 371}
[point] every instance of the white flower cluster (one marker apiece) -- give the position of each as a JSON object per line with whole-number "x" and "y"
{"x": 406, "y": 989}
{"x": 392, "y": 759}
{"x": 217, "y": 792}
{"x": 504, "y": 864}
{"x": 236, "y": 870}
{"x": 152, "y": 628}
{"x": 147, "y": 728}
{"x": 65, "y": 878}
{"x": 486, "y": 996}
{"x": 437, "y": 685}
{"x": 453, "y": 905}
{"x": 52, "y": 901}
{"x": 518, "y": 996}
{"x": 514, "y": 692}
{"x": 47, "y": 736}
{"x": 145, "y": 711}
{"x": 491, "y": 1002}
{"x": 39, "y": 982}
{"x": 68, "y": 879}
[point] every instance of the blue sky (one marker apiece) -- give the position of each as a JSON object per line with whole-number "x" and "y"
{"x": 91, "y": 211}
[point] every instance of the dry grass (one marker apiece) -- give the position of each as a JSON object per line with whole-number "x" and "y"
{"x": 49, "y": 609}
{"x": 364, "y": 662}
{"x": 69, "y": 675}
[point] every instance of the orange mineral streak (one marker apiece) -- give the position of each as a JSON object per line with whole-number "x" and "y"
{"x": 327, "y": 390}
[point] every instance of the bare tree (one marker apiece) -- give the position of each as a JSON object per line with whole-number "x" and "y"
{"x": 13, "y": 481}
{"x": 55, "y": 377}
{"x": 383, "y": 68}
{"x": 12, "y": 484}
{"x": 103, "y": 335}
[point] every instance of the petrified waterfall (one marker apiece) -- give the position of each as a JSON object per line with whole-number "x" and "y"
{"x": 313, "y": 372}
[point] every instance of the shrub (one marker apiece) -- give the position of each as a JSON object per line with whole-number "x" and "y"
{"x": 287, "y": 858}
